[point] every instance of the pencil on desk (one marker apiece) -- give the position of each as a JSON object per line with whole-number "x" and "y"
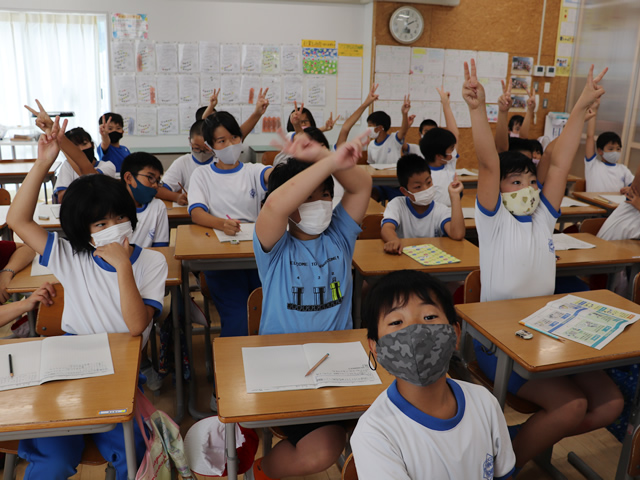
{"x": 544, "y": 333}
{"x": 605, "y": 199}
{"x": 10, "y": 365}
{"x": 232, "y": 219}
{"x": 183, "y": 189}
{"x": 313, "y": 369}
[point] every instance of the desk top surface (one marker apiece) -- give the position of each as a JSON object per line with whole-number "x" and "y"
{"x": 606, "y": 252}
{"x": 596, "y": 198}
{"x": 370, "y": 259}
{"x": 20, "y": 168}
{"x": 498, "y": 322}
{"x": 236, "y": 405}
{"x": 73, "y": 403}
{"x": 194, "y": 242}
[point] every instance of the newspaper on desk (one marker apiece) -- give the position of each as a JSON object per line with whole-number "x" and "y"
{"x": 583, "y": 321}
{"x": 562, "y": 241}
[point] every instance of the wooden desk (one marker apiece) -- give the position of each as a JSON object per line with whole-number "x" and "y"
{"x": 494, "y": 324}
{"x": 595, "y": 198}
{"x": 17, "y": 143}
{"x": 51, "y": 225}
{"x": 374, "y": 208}
{"x": 381, "y": 177}
{"x": 15, "y": 172}
{"x": 256, "y": 410}
{"x": 71, "y": 407}
{"x": 177, "y": 215}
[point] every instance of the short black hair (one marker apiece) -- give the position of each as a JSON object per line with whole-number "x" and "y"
{"x": 427, "y": 123}
{"x": 89, "y": 199}
{"x": 220, "y": 119}
{"x": 196, "y": 128}
{"x": 436, "y": 142}
{"x": 312, "y": 121}
{"x": 317, "y": 135}
{"x": 380, "y": 118}
{"x": 115, "y": 118}
{"x": 515, "y": 120}
{"x": 517, "y": 144}
{"x": 285, "y": 171}
{"x": 137, "y": 161}
{"x": 608, "y": 137}
{"x": 200, "y": 112}
{"x": 78, "y": 136}
{"x": 408, "y": 166}
{"x": 536, "y": 146}
{"x": 395, "y": 289}
{"x": 515, "y": 162}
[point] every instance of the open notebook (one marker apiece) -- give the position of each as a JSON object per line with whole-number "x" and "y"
{"x": 244, "y": 235}
{"x": 273, "y": 369}
{"x": 55, "y": 358}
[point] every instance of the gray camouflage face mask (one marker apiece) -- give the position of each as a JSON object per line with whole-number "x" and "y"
{"x": 418, "y": 354}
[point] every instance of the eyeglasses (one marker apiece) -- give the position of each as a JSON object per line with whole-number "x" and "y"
{"x": 152, "y": 180}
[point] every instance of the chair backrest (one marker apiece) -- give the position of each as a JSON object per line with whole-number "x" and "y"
{"x": 49, "y": 319}
{"x": 472, "y": 287}
{"x": 5, "y": 197}
{"x": 592, "y": 225}
{"x": 269, "y": 157}
{"x": 254, "y": 311}
{"x": 635, "y": 294}
{"x": 580, "y": 185}
{"x": 349, "y": 469}
{"x": 371, "y": 226}
{"x": 363, "y": 159}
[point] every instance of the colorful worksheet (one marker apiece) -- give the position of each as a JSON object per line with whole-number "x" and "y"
{"x": 428, "y": 254}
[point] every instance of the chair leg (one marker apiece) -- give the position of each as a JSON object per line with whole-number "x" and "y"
{"x": 154, "y": 346}
{"x": 544, "y": 462}
{"x": 10, "y": 460}
{"x": 109, "y": 472}
{"x": 267, "y": 440}
{"x": 580, "y": 465}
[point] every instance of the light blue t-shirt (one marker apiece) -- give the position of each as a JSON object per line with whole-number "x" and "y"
{"x": 116, "y": 155}
{"x": 307, "y": 285}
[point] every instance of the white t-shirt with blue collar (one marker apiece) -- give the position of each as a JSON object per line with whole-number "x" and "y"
{"x": 605, "y": 177}
{"x": 180, "y": 172}
{"x": 394, "y": 439}
{"x": 517, "y": 254}
{"x": 386, "y": 152}
{"x": 152, "y": 229}
{"x": 237, "y": 193}
{"x": 67, "y": 174}
{"x": 92, "y": 296}
{"x": 410, "y": 224}
{"x": 442, "y": 177}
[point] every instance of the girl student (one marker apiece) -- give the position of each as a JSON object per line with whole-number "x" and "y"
{"x": 301, "y": 118}
{"x": 111, "y": 286}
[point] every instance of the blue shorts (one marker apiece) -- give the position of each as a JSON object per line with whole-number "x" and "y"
{"x": 488, "y": 363}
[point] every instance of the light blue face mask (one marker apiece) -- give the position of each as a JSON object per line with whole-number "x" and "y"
{"x": 143, "y": 194}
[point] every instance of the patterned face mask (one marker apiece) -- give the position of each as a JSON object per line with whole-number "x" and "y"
{"x": 522, "y": 202}
{"x": 418, "y": 354}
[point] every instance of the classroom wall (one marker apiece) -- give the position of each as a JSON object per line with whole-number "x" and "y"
{"x": 231, "y": 22}
{"x": 493, "y": 25}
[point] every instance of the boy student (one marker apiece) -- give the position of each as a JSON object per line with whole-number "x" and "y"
{"x": 438, "y": 149}
{"x": 111, "y": 132}
{"x": 303, "y": 250}
{"x": 383, "y": 147}
{"x": 602, "y": 171}
{"x": 425, "y": 426}
{"x": 516, "y": 127}
{"x": 515, "y": 224}
{"x": 417, "y": 213}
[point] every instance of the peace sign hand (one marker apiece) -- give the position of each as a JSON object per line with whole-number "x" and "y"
{"x": 43, "y": 120}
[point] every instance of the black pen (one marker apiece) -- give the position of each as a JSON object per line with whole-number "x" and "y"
{"x": 10, "y": 366}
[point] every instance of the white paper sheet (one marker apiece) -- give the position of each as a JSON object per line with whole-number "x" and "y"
{"x": 188, "y": 58}
{"x": 424, "y": 87}
{"x": 401, "y": 60}
{"x": 426, "y": 110}
{"x": 125, "y": 85}
{"x": 128, "y": 119}
{"x": 349, "y": 77}
{"x": 147, "y": 121}
{"x": 464, "y": 171}
{"x": 246, "y": 111}
{"x": 384, "y": 166}
{"x": 146, "y": 89}
{"x": 615, "y": 198}
{"x": 435, "y": 61}
{"x": 469, "y": 212}
{"x": 167, "y": 89}
{"x": 230, "y": 89}
{"x": 208, "y": 83}
{"x": 209, "y": 57}
{"x": 492, "y": 113}
{"x": 251, "y": 58}
{"x": 316, "y": 92}
{"x": 291, "y": 59}
{"x": 250, "y": 88}
{"x": 230, "y": 58}
{"x": 461, "y": 114}
{"x": 168, "y": 120}
{"x": 570, "y": 202}
{"x": 271, "y": 60}
{"x": 189, "y": 88}
{"x": 562, "y": 241}
{"x": 244, "y": 235}
{"x": 272, "y": 119}
{"x": 292, "y": 88}
{"x": 187, "y": 116}
{"x": 492, "y": 64}
{"x": 346, "y": 107}
{"x": 167, "y": 57}
{"x": 399, "y": 85}
{"x": 274, "y": 84}
{"x": 492, "y": 88}
{"x": 384, "y": 59}
{"x": 123, "y": 56}
{"x": 453, "y": 85}
{"x": 145, "y": 57}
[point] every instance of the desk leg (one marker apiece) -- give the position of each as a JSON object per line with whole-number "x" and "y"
{"x": 177, "y": 354}
{"x": 503, "y": 371}
{"x": 130, "y": 449}
{"x": 627, "y": 443}
{"x": 31, "y": 316}
{"x": 357, "y": 298}
{"x": 232, "y": 456}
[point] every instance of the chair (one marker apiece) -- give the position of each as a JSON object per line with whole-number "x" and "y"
{"x": 472, "y": 287}
{"x": 269, "y": 157}
{"x": 349, "y": 469}
{"x": 592, "y": 225}
{"x": 49, "y": 324}
{"x": 633, "y": 468}
{"x": 580, "y": 185}
{"x": 5, "y": 197}
{"x": 363, "y": 159}
{"x": 371, "y": 226}
{"x": 254, "y": 311}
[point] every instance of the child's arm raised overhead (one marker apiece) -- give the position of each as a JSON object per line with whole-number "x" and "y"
{"x": 261, "y": 106}
{"x": 355, "y": 116}
{"x": 404, "y": 128}
{"x": 569, "y": 140}
{"x": 20, "y": 216}
{"x": 449, "y": 120}
{"x": 502, "y": 126}
{"x": 295, "y": 117}
{"x": 280, "y": 204}
{"x": 590, "y": 145}
{"x": 105, "y": 142}
{"x": 328, "y": 125}
{"x": 213, "y": 101}
{"x": 488, "y": 160}
{"x": 528, "y": 117}
{"x": 455, "y": 229}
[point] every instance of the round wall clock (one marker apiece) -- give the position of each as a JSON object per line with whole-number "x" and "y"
{"x": 406, "y": 25}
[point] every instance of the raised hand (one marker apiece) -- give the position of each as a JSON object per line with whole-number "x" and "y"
{"x": 406, "y": 105}
{"x": 531, "y": 101}
{"x": 48, "y": 148}
{"x": 505, "y": 101}
{"x": 372, "y": 97}
{"x": 410, "y": 120}
{"x": 213, "y": 99}
{"x": 295, "y": 115}
{"x": 472, "y": 89}
{"x": 43, "y": 120}
{"x": 348, "y": 154}
{"x": 456, "y": 187}
{"x": 104, "y": 130}
{"x": 262, "y": 102}
{"x": 444, "y": 96}
{"x": 592, "y": 111}
{"x": 328, "y": 125}
{"x": 592, "y": 90}
{"x": 302, "y": 148}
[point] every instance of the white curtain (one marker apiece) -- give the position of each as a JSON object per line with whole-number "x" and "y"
{"x": 54, "y": 58}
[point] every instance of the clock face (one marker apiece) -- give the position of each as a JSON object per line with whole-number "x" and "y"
{"x": 406, "y": 24}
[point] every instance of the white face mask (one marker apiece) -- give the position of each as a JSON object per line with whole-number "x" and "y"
{"x": 424, "y": 197}
{"x": 522, "y": 202}
{"x": 611, "y": 157}
{"x": 372, "y": 133}
{"x": 315, "y": 217}
{"x": 229, "y": 155}
{"x": 114, "y": 234}
{"x": 202, "y": 157}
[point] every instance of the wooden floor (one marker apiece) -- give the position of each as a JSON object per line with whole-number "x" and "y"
{"x": 599, "y": 449}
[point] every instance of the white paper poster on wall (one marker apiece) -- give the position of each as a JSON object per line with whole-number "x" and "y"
{"x": 461, "y": 114}
{"x": 384, "y": 59}
{"x": 271, "y": 59}
{"x": 292, "y": 88}
{"x": 146, "y": 121}
{"x": 426, "y": 110}
{"x": 291, "y": 59}
{"x": 245, "y": 112}
{"x": 209, "y": 57}
{"x": 189, "y": 89}
{"x": 274, "y": 84}
{"x": 272, "y": 119}
{"x": 145, "y": 57}
{"x": 125, "y": 85}
{"x": 208, "y": 83}
{"x": 230, "y": 89}
{"x": 401, "y": 60}
{"x": 187, "y": 116}
{"x": 492, "y": 64}
{"x": 167, "y": 57}
{"x": 316, "y": 92}
{"x": 453, "y": 85}
{"x": 349, "y": 77}
{"x": 250, "y": 89}
{"x": 167, "y": 89}
{"x": 168, "y": 120}
{"x": 188, "y": 58}
{"x": 146, "y": 89}
{"x": 128, "y": 119}
{"x": 123, "y": 56}
{"x": 230, "y": 58}
{"x": 251, "y": 58}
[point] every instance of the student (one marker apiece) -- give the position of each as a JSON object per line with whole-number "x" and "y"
{"x": 223, "y": 195}
{"x": 536, "y": 151}
{"x": 425, "y": 425}
{"x": 204, "y": 112}
{"x": 110, "y": 286}
{"x": 515, "y": 223}
{"x": 348, "y": 124}
{"x": 14, "y": 257}
{"x": 602, "y": 171}
{"x": 438, "y": 146}
{"x": 303, "y": 251}
{"x": 301, "y": 118}
{"x": 418, "y": 213}
{"x": 383, "y": 147}
{"x": 141, "y": 173}
{"x": 111, "y": 132}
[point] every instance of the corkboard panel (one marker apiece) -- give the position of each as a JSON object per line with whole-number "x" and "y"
{"x": 490, "y": 25}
